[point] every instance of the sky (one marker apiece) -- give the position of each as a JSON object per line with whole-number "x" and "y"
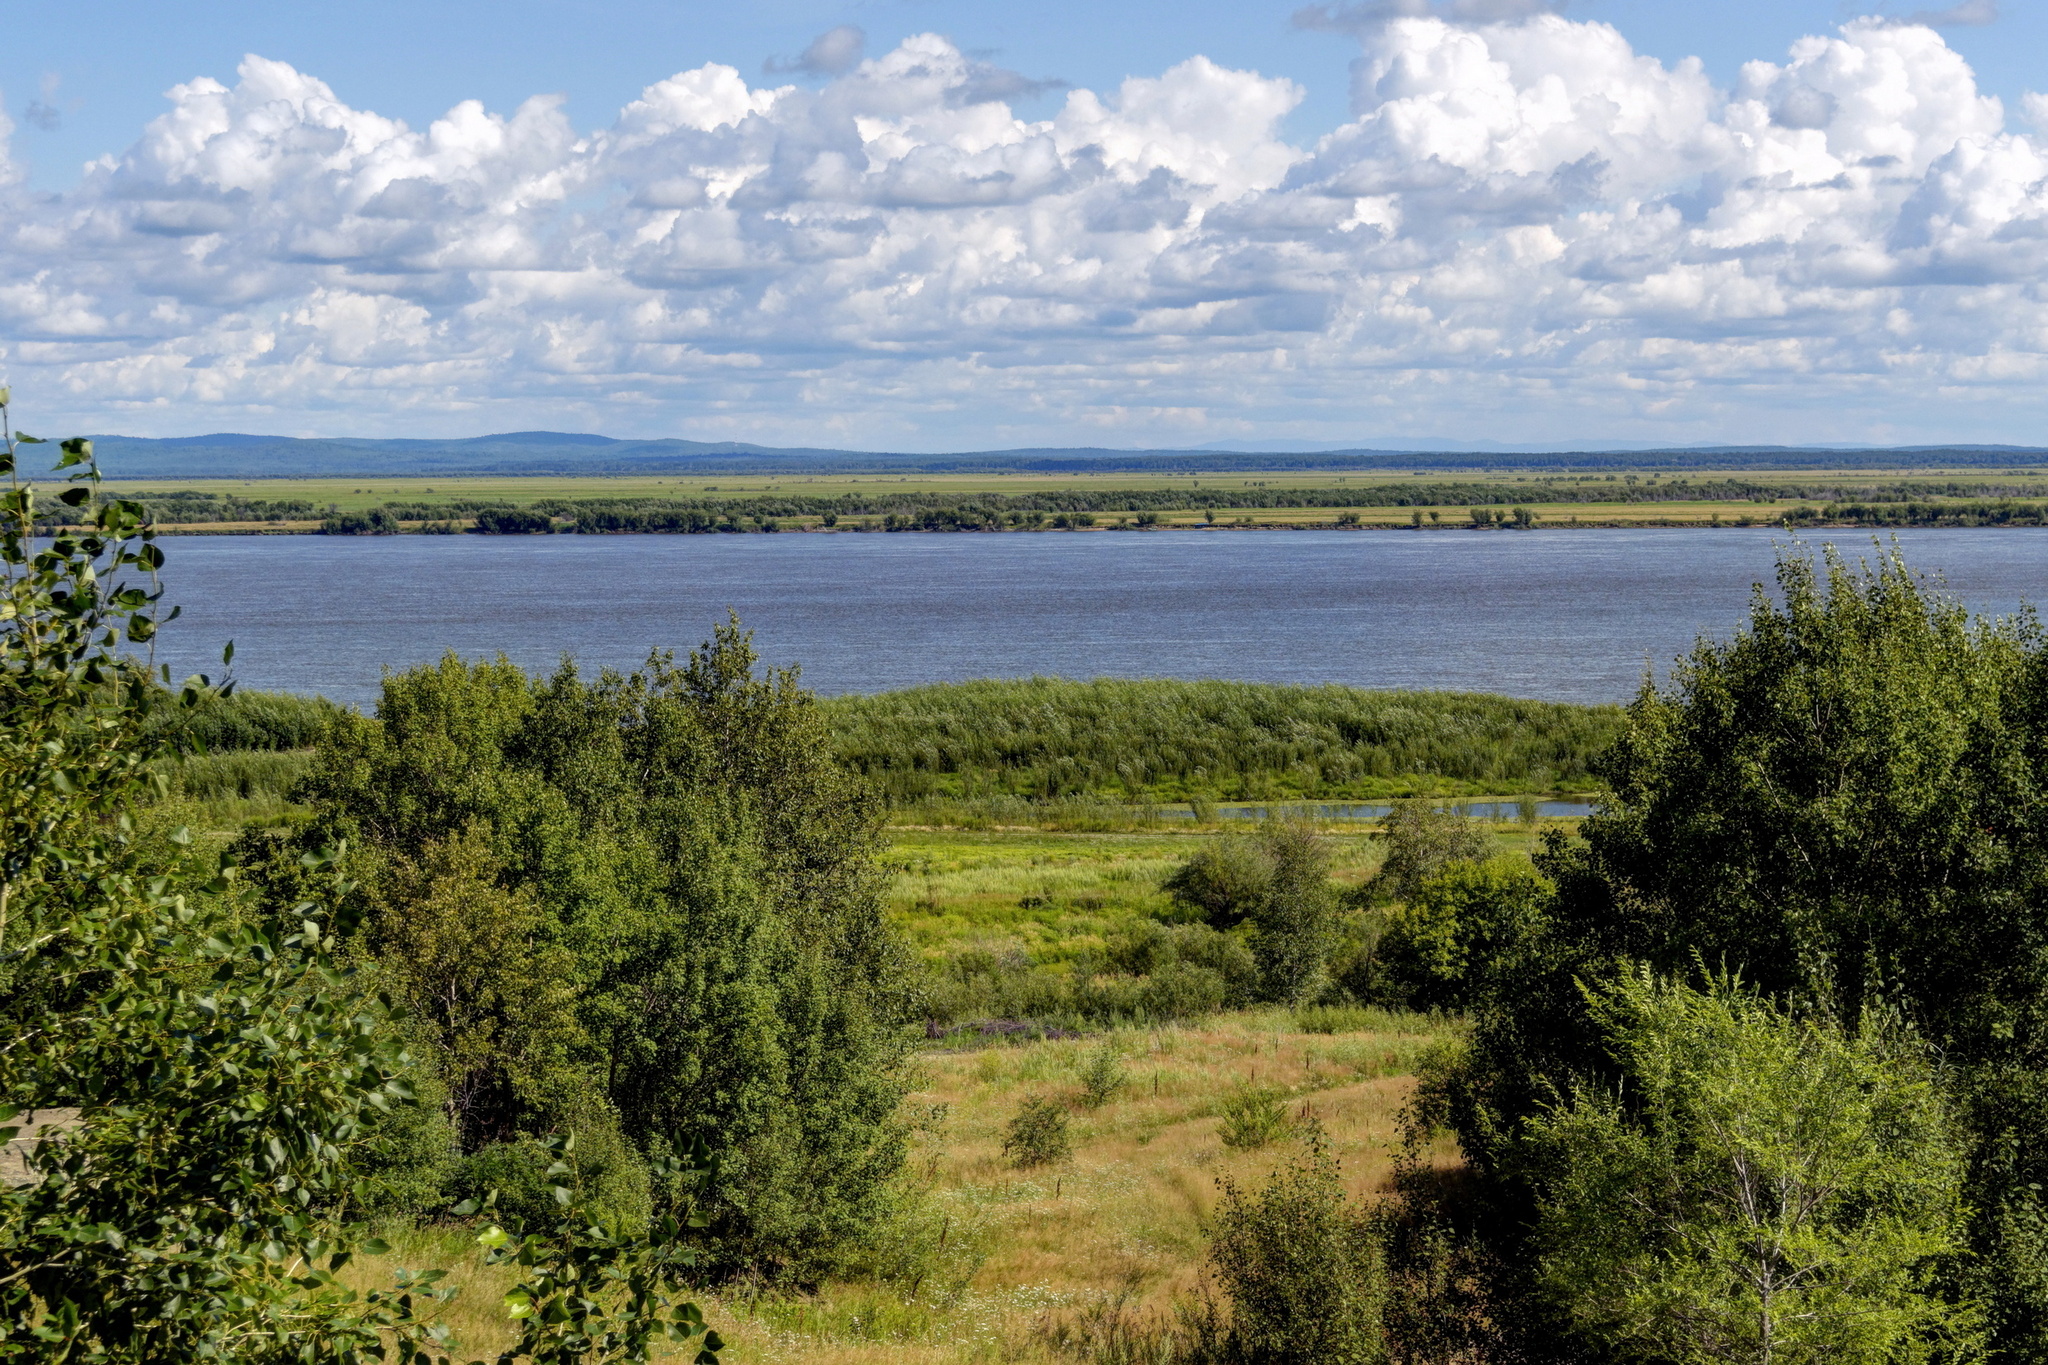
{"x": 931, "y": 225}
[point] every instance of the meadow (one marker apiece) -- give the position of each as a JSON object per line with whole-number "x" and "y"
{"x": 983, "y": 1261}
{"x": 978, "y": 1259}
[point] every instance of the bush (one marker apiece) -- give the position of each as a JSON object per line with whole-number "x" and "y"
{"x": 513, "y": 521}
{"x": 1277, "y": 883}
{"x": 1421, "y": 841}
{"x": 1184, "y": 991}
{"x": 1300, "y": 1268}
{"x": 1222, "y": 882}
{"x": 1295, "y": 924}
{"x": 1253, "y": 1117}
{"x": 615, "y": 1182}
{"x": 1769, "y": 1189}
{"x": 1103, "y": 1077}
{"x": 1039, "y": 1135}
{"x": 1467, "y": 926}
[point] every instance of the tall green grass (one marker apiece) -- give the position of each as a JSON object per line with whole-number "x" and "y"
{"x": 1047, "y": 739}
{"x": 239, "y": 774}
{"x": 248, "y": 720}
{"x": 1100, "y": 755}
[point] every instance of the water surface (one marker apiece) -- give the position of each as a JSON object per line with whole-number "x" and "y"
{"x": 1566, "y": 615}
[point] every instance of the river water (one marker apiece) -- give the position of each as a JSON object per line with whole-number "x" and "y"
{"x": 1566, "y": 615}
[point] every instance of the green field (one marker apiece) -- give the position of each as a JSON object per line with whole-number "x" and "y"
{"x": 1647, "y": 497}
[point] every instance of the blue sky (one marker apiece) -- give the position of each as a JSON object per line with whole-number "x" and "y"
{"x": 961, "y": 227}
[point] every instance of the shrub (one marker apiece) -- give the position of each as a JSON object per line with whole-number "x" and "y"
{"x": 513, "y": 521}
{"x": 1183, "y": 991}
{"x": 1039, "y": 1135}
{"x": 1222, "y": 882}
{"x": 1300, "y": 1268}
{"x": 1421, "y": 841}
{"x": 1466, "y": 926}
{"x": 615, "y": 1184}
{"x": 1103, "y": 1077}
{"x": 1770, "y": 1189}
{"x": 1295, "y": 923}
{"x": 1253, "y": 1117}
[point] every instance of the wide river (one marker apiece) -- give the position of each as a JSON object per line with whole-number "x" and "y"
{"x": 1569, "y": 615}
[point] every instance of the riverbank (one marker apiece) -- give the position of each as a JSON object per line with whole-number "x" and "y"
{"x": 1294, "y": 501}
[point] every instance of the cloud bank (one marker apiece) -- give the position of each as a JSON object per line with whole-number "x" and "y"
{"x": 1528, "y": 231}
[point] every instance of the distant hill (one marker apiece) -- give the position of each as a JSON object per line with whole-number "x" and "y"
{"x": 228, "y": 455}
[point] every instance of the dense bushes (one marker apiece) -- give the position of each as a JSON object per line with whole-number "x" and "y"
{"x": 1147, "y": 970}
{"x": 1162, "y": 740}
{"x": 1461, "y": 936}
{"x": 1301, "y": 1268}
{"x": 216, "y": 1079}
{"x": 1754, "y": 1186}
{"x": 1842, "y": 805}
{"x": 645, "y": 906}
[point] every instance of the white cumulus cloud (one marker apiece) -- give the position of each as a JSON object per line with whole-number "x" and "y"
{"x": 1526, "y": 228}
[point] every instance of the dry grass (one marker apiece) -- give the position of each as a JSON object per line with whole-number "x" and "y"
{"x": 984, "y": 1256}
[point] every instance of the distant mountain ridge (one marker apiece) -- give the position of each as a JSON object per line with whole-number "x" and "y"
{"x": 241, "y": 456}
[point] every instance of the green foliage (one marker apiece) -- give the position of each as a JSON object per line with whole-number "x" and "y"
{"x": 1147, "y": 970}
{"x": 1253, "y": 1116}
{"x": 1160, "y": 740}
{"x": 224, "y": 1073}
{"x": 587, "y": 1292}
{"x": 1466, "y": 928}
{"x": 1039, "y": 1134}
{"x": 1103, "y": 1077}
{"x": 1275, "y": 882}
{"x": 375, "y": 522}
{"x": 1841, "y": 804}
{"x": 520, "y": 1178}
{"x": 488, "y": 997}
{"x": 1421, "y": 842}
{"x": 238, "y": 774}
{"x": 1754, "y": 1187}
{"x": 650, "y": 902}
{"x": 1223, "y": 881}
{"x": 1300, "y": 1268}
{"x": 1344, "y": 1019}
{"x": 1295, "y": 923}
{"x": 245, "y": 720}
{"x": 512, "y": 521}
